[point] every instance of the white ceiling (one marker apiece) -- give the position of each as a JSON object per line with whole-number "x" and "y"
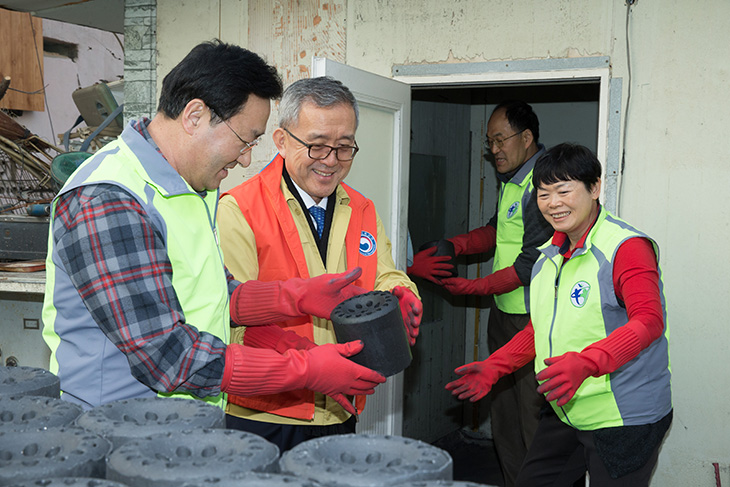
{"x": 101, "y": 14}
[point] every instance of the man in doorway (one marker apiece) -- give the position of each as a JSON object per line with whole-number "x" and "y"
{"x": 514, "y": 232}
{"x": 296, "y": 218}
{"x": 137, "y": 296}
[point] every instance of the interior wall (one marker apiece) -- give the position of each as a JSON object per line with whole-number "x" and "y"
{"x": 575, "y": 122}
{"x": 438, "y": 206}
{"x": 673, "y": 127}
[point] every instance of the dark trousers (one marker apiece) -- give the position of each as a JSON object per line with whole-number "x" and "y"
{"x": 287, "y": 436}
{"x": 561, "y": 454}
{"x": 516, "y": 403}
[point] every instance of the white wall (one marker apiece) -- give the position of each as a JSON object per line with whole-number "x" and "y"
{"x": 100, "y": 57}
{"x": 676, "y": 157}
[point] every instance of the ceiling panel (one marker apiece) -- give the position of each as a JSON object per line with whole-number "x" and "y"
{"x": 101, "y": 14}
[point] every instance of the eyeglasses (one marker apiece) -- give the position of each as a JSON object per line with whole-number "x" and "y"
{"x": 498, "y": 143}
{"x": 321, "y": 151}
{"x": 249, "y": 145}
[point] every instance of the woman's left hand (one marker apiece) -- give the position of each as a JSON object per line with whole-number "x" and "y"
{"x": 564, "y": 375}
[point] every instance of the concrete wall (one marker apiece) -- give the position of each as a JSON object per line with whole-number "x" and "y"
{"x": 140, "y": 61}
{"x": 675, "y": 125}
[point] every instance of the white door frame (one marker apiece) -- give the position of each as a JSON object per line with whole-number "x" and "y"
{"x": 384, "y": 414}
{"x": 541, "y": 71}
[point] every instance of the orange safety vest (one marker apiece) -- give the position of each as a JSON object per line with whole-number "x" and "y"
{"x": 281, "y": 257}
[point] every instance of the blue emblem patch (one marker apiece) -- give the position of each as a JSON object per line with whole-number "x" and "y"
{"x": 513, "y": 209}
{"x": 579, "y": 294}
{"x": 367, "y": 244}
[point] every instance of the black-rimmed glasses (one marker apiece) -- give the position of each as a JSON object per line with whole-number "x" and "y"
{"x": 321, "y": 151}
{"x": 248, "y": 145}
{"x": 498, "y": 143}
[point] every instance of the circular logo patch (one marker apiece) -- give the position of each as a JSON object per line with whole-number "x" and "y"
{"x": 579, "y": 293}
{"x": 513, "y": 209}
{"x": 367, "y": 244}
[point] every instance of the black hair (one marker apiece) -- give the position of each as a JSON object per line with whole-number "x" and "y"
{"x": 520, "y": 117}
{"x": 223, "y": 76}
{"x": 567, "y": 162}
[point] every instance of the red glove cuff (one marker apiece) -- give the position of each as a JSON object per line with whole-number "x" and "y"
{"x": 478, "y": 240}
{"x": 504, "y": 280}
{"x": 259, "y": 302}
{"x": 253, "y": 371}
{"x": 516, "y": 353}
{"x": 617, "y": 349}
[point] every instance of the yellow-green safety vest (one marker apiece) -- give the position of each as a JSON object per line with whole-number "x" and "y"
{"x": 514, "y": 195}
{"x": 573, "y": 304}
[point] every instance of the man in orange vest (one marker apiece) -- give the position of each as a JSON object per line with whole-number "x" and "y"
{"x": 296, "y": 218}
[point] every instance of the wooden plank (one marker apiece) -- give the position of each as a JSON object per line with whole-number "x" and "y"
{"x": 21, "y": 58}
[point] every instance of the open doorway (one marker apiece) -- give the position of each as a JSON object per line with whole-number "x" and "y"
{"x": 453, "y": 189}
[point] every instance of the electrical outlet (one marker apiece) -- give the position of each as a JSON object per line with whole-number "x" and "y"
{"x": 31, "y": 324}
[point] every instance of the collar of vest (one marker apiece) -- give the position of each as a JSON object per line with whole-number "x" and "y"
{"x": 520, "y": 177}
{"x": 156, "y": 170}
{"x": 553, "y": 246}
{"x": 159, "y": 171}
{"x": 271, "y": 176}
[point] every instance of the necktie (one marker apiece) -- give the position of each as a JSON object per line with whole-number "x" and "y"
{"x": 318, "y": 214}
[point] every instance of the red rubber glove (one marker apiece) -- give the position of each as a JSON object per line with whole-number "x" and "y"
{"x": 412, "y": 310}
{"x": 332, "y": 374}
{"x": 478, "y": 378}
{"x": 430, "y": 267}
{"x": 259, "y": 302}
{"x": 318, "y": 296}
{"x": 564, "y": 375}
{"x": 500, "y": 282}
{"x": 251, "y": 371}
{"x": 276, "y": 338}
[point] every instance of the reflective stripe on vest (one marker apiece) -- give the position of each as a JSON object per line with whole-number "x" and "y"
{"x": 573, "y": 305}
{"x": 186, "y": 221}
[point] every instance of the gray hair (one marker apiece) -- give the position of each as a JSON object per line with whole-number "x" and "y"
{"x": 322, "y": 92}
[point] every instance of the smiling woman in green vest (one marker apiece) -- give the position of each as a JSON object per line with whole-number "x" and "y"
{"x": 598, "y": 335}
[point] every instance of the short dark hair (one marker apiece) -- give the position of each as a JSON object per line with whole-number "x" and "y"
{"x": 567, "y": 162}
{"x": 520, "y": 117}
{"x": 222, "y": 75}
{"x": 323, "y": 91}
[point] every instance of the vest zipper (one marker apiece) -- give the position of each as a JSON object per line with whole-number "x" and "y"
{"x": 214, "y": 230}
{"x": 552, "y": 323}
{"x": 555, "y": 307}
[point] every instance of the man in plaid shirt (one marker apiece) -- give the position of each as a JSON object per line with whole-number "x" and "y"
{"x": 138, "y": 302}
